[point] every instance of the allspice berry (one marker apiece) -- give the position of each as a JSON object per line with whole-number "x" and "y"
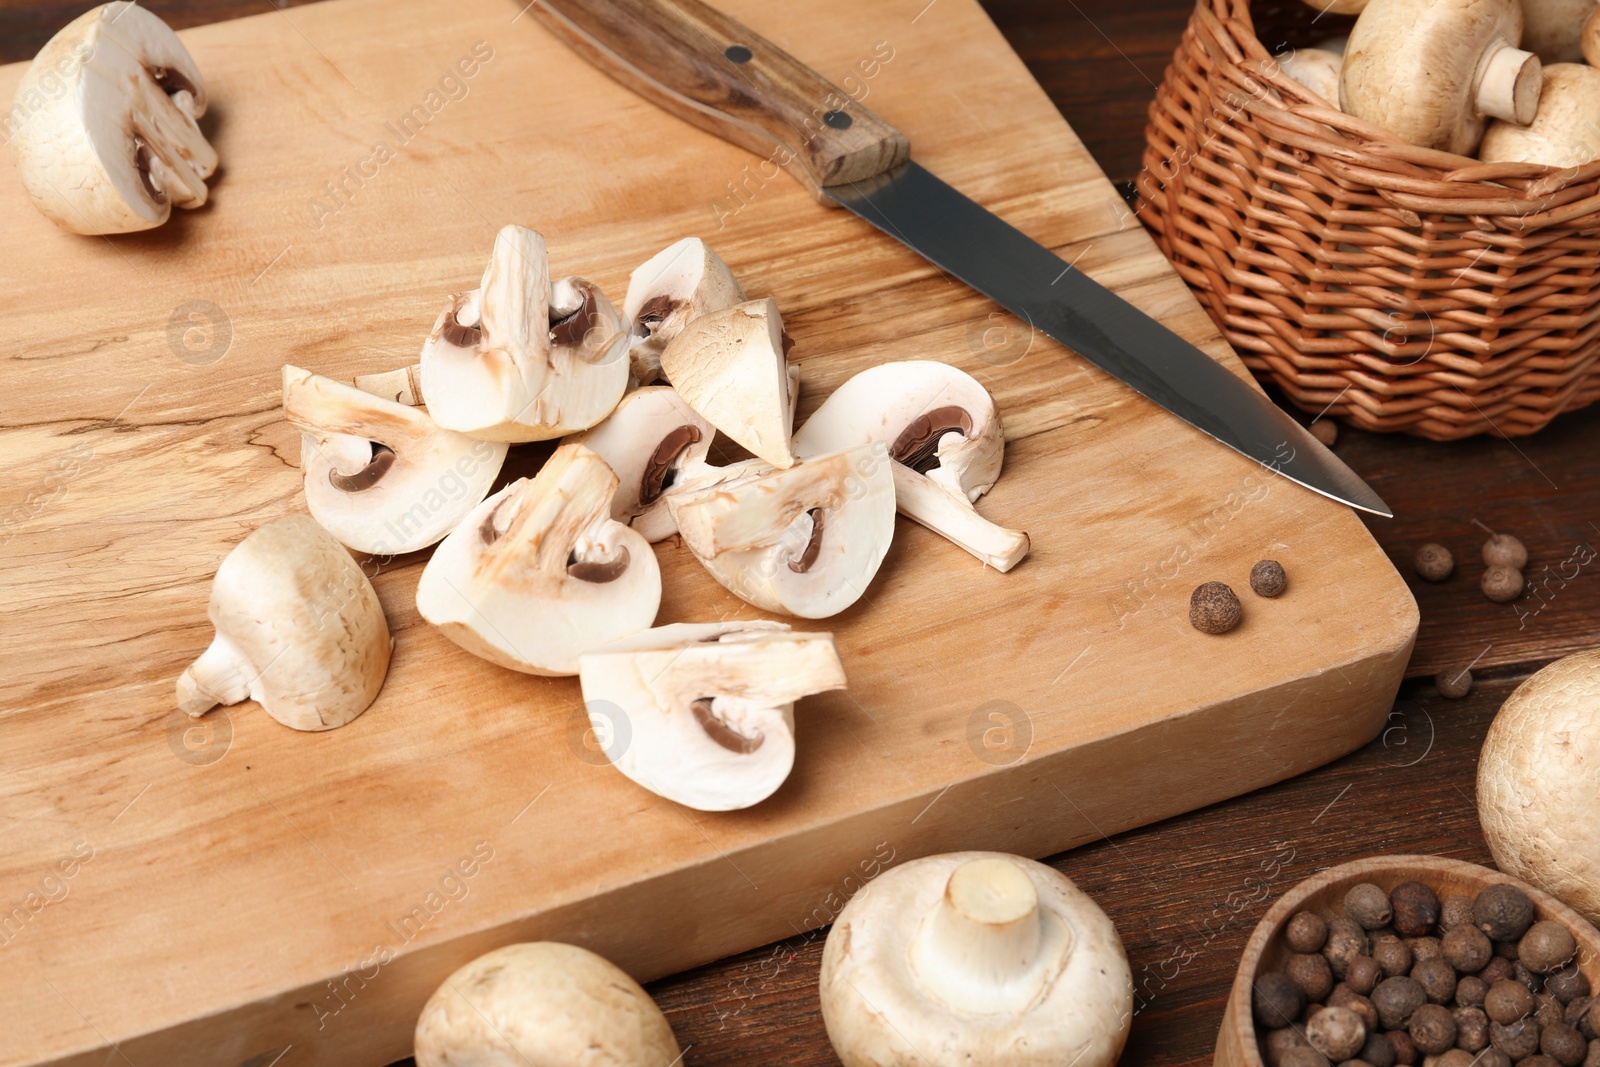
{"x": 1392, "y": 955}
{"x": 1453, "y": 1058}
{"x": 1437, "y": 979}
{"x": 1563, "y": 1044}
{"x": 1521, "y": 973}
{"x": 1453, "y": 683}
{"x": 1503, "y": 550}
{"x": 1467, "y": 948}
{"x": 1519, "y": 1039}
{"x": 1338, "y": 1033}
{"x": 1491, "y": 1057}
{"x": 1377, "y": 1052}
{"x": 1472, "y": 1029}
{"x": 1425, "y": 948}
{"x": 1368, "y": 905}
{"x": 1311, "y": 973}
{"x": 1396, "y": 999}
{"x": 1279, "y": 1044}
{"x": 1346, "y": 941}
{"x": 1276, "y": 1000}
{"x": 1345, "y": 997}
{"x": 1267, "y": 578}
{"x": 1405, "y": 1053}
{"x": 1326, "y": 431}
{"x": 1470, "y": 991}
{"x": 1303, "y": 1057}
{"x": 1432, "y": 1029}
{"x": 1306, "y": 932}
{"x": 1507, "y": 1001}
{"x": 1546, "y": 947}
{"x": 1454, "y": 912}
{"x": 1502, "y": 584}
{"x": 1416, "y": 909}
{"x": 1214, "y": 609}
{"x": 1363, "y": 974}
{"x": 1503, "y": 911}
{"x": 1566, "y": 984}
{"x": 1498, "y": 969}
{"x": 1434, "y": 562}
{"x": 1573, "y": 1015}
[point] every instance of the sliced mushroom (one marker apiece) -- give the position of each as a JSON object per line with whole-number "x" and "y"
{"x": 382, "y": 477}
{"x": 975, "y": 958}
{"x": 805, "y": 541}
{"x": 299, "y": 630}
{"x": 729, "y": 366}
{"x": 679, "y": 283}
{"x": 1432, "y": 74}
{"x": 943, "y": 432}
{"x": 539, "y": 1004}
{"x": 522, "y": 359}
{"x": 403, "y": 385}
{"x": 540, "y": 572}
{"x": 709, "y": 707}
{"x": 118, "y": 145}
{"x": 1565, "y": 132}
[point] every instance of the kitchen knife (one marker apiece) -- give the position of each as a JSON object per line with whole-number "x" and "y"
{"x": 712, "y": 71}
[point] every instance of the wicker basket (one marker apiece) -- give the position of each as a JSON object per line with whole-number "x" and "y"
{"x": 1394, "y": 287}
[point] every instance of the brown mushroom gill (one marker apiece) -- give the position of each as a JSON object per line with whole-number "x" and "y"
{"x": 172, "y": 81}
{"x": 141, "y": 163}
{"x": 651, "y": 315}
{"x": 721, "y": 732}
{"x": 598, "y": 571}
{"x": 383, "y": 458}
{"x": 659, "y": 471}
{"x": 917, "y": 446}
{"x": 491, "y": 530}
{"x": 571, "y": 326}
{"x": 813, "y": 549}
{"x": 455, "y": 331}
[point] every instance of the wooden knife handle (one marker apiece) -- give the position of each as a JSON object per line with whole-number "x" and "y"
{"x": 712, "y": 71}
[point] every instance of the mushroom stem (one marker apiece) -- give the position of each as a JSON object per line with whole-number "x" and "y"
{"x": 403, "y": 385}
{"x": 1507, "y": 84}
{"x": 982, "y": 939}
{"x": 953, "y": 517}
{"x": 219, "y": 676}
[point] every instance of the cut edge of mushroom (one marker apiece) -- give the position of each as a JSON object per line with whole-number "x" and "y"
{"x": 954, "y": 518}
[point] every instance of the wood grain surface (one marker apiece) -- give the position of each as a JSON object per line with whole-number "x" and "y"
{"x": 1186, "y": 892}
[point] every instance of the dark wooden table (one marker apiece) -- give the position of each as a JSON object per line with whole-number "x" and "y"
{"x": 1185, "y": 893}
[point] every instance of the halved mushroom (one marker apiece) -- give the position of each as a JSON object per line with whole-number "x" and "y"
{"x": 729, "y": 366}
{"x": 805, "y": 541}
{"x": 540, "y": 572}
{"x": 709, "y": 707}
{"x": 403, "y": 385}
{"x": 943, "y": 432}
{"x": 657, "y": 445}
{"x": 681, "y": 282}
{"x": 298, "y": 629}
{"x": 522, "y": 359}
{"x": 382, "y": 477}
{"x": 116, "y": 147}
{"x": 975, "y": 958}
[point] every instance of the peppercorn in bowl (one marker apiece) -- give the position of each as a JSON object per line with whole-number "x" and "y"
{"x": 1399, "y": 960}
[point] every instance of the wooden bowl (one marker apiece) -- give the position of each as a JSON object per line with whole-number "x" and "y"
{"x": 1324, "y": 895}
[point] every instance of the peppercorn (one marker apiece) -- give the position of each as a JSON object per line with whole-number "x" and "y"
{"x": 1338, "y": 1033}
{"x": 1503, "y": 550}
{"x": 1362, "y": 974}
{"x": 1368, "y": 905}
{"x": 1434, "y": 562}
{"x": 1405, "y": 1053}
{"x": 1346, "y": 941}
{"x": 1325, "y": 430}
{"x": 1267, "y": 578}
{"x": 1276, "y": 1000}
{"x": 1416, "y": 909}
{"x": 1214, "y": 609}
{"x": 1437, "y": 979}
{"x": 1507, "y": 1001}
{"x": 1377, "y": 1051}
{"x": 1467, "y": 948}
{"x": 1395, "y": 999}
{"x": 1472, "y": 1029}
{"x": 1306, "y": 932}
{"x": 1432, "y": 1029}
{"x": 1498, "y": 969}
{"x": 1503, "y": 911}
{"x": 1566, "y": 984}
{"x": 1519, "y": 1039}
{"x": 1392, "y": 955}
{"x": 1502, "y": 584}
{"x": 1453, "y": 683}
{"x": 1563, "y": 1044}
{"x": 1470, "y": 991}
{"x": 1425, "y": 948}
{"x": 1546, "y": 946}
{"x": 1311, "y": 973}
{"x": 1453, "y": 912}
{"x": 1345, "y": 997}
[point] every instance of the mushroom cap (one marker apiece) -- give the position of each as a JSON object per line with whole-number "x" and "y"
{"x": 1565, "y": 132}
{"x": 1338, "y": 7}
{"x": 897, "y": 990}
{"x": 709, "y": 707}
{"x": 298, "y": 629}
{"x": 540, "y": 572}
{"x": 656, "y": 444}
{"x": 676, "y": 285}
{"x": 385, "y": 506}
{"x": 1552, "y": 28}
{"x": 112, "y": 150}
{"x": 937, "y": 419}
{"x": 1537, "y": 780}
{"x": 729, "y": 366}
{"x": 1316, "y": 69}
{"x": 1430, "y": 73}
{"x": 521, "y": 359}
{"x": 804, "y": 541}
{"x": 542, "y": 1004}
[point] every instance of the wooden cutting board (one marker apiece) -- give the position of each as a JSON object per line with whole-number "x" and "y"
{"x": 238, "y": 893}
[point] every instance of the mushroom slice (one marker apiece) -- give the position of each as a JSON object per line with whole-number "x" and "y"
{"x": 679, "y": 283}
{"x": 382, "y": 477}
{"x": 709, "y": 707}
{"x": 540, "y": 572}
{"x": 729, "y": 366}
{"x": 975, "y": 957}
{"x": 943, "y": 430}
{"x": 119, "y": 144}
{"x": 299, "y": 630}
{"x": 657, "y": 445}
{"x": 805, "y": 541}
{"x": 542, "y": 1003}
{"x": 520, "y": 358}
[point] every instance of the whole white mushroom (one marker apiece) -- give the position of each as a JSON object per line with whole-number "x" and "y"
{"x": 975, "y": 958}
{"x": 1539, "y": 782}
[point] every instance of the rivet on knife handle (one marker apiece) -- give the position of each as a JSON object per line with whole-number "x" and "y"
{"x": 711, "y": 70}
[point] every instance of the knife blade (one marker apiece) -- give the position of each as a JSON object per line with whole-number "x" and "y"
{"x": 716, "y": 73}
